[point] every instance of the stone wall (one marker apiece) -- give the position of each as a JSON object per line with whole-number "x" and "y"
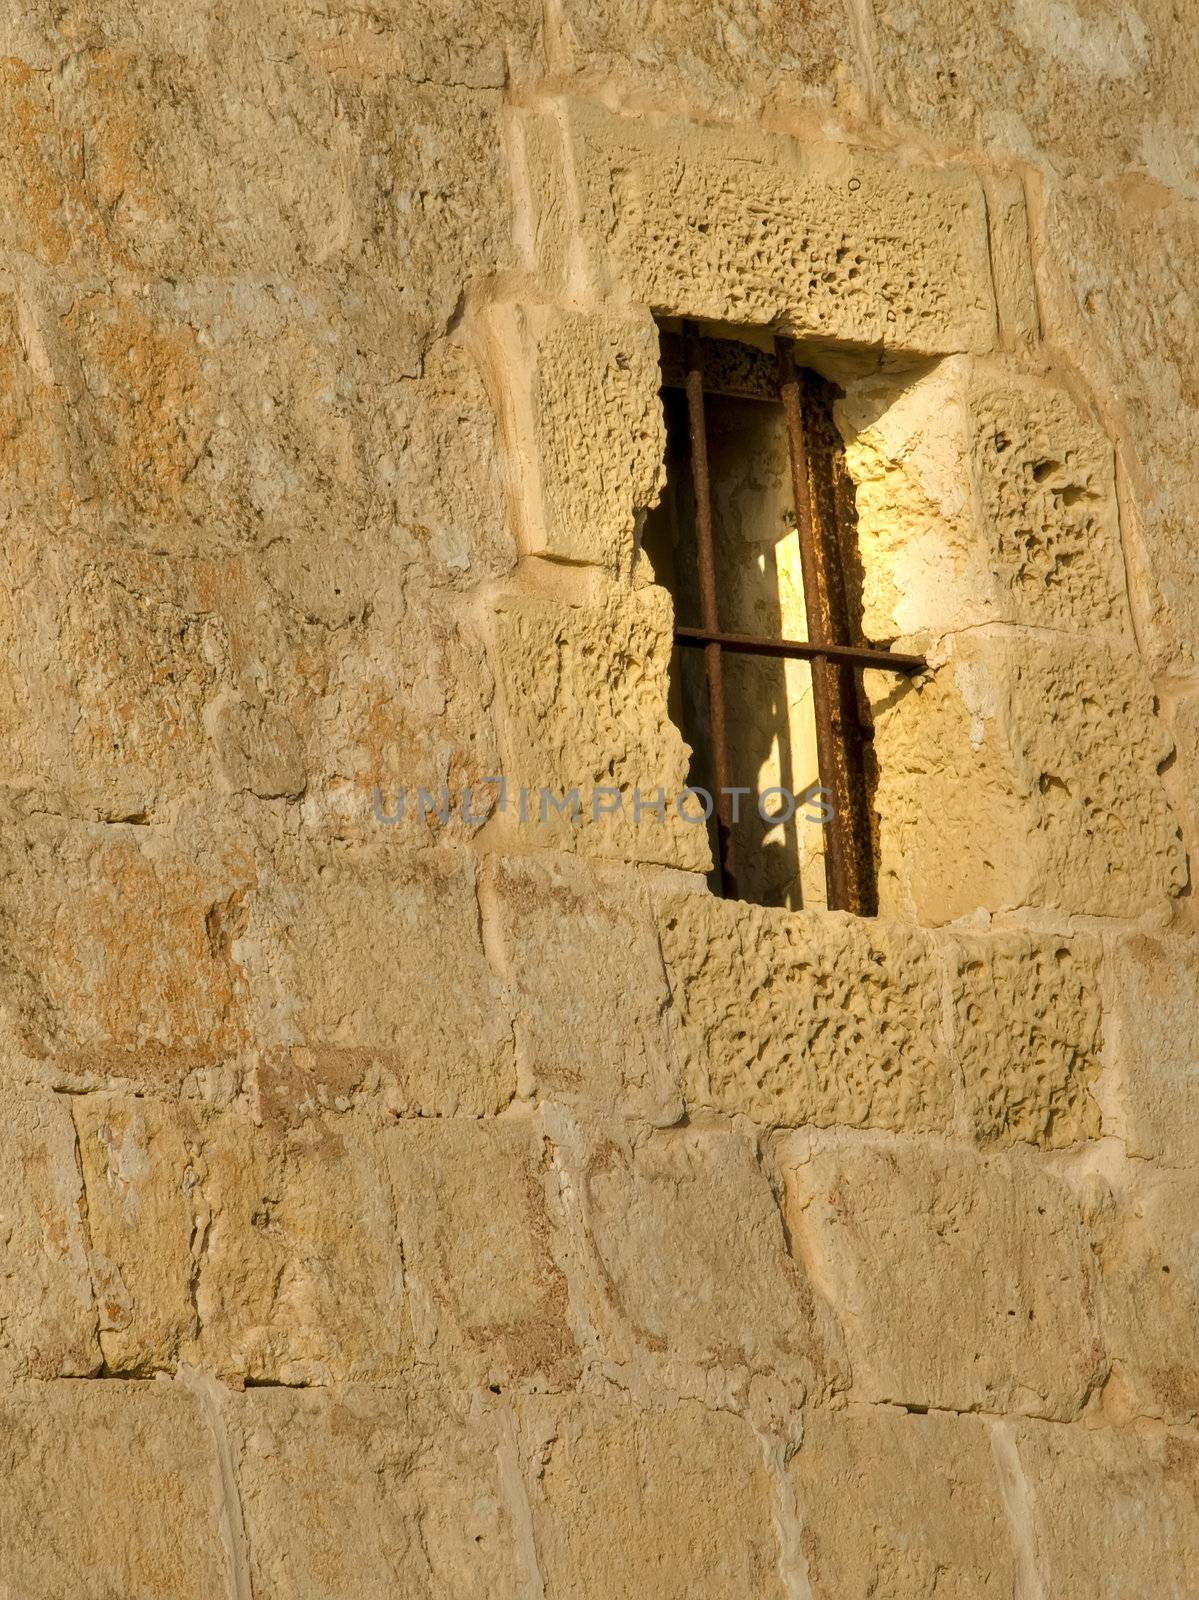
{"x": 469, "y": 1207}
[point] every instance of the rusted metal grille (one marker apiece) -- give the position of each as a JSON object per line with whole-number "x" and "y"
{"x": 704, "y": 366}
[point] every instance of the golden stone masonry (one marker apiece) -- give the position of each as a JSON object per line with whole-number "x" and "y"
{"x": 791, "y": 406}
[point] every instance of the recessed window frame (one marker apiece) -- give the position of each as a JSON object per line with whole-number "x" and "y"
{"x": 700, "y": 366}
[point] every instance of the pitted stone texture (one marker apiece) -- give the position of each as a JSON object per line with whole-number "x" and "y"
{"x": 136, "y": 1465}
{"x": 833, "y": 242}
{"x": 1152, "y": 996}
{"x": 1024, "y": 772}
{"x": 378, "y": 977}
{"x": 1150, "y": 1297}
{"x": 745, "y": 56}
{"x": 1026, "y": 1015}
{"x": 1125, "y": 317}
{"x": 121, "y": 946}
{"x": 961, "y": 1283}
{"x": 584, "y": 694}
{"x": 982, "y": 497}
{"x": 369, "y": 1494}
{"x": 581, "y": 949}
{"x": 689, "y": 1265}
{"x": 228, "y": 1246}
{"x": 601, "y": 1475}
{"x": 1110, "y": 1506}
{"x": 1100, "y": 85}
{"x": 902, "y": 1506}
{"x": 598, "y": 434}
{"x": 794, "y": 1017}
{"x": 47, "y": 1316}
{"x": 488, "y": 1302}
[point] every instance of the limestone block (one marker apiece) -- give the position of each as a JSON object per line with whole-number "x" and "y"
{"x": 676, "y": 1504}
{"x": 793, "y": 1017}
{"x": 690, "y": 1268}
{"x": 982, "y": 496}
{"x": 961, "y": 1283}
{"x": 300, "y": 1275}
{"x": 121, "y": 946}
{"x": 597, "y": 433}
{"x": 488, "y": 1301}
{"x": 110, "y": 1488}
{"x": 1182, "y": 781}
{"x": 1023, "y": 772}
{"x": 141, "y": 1167}
{"x": 584, "y": 702}
{"x": 1150, "y": 1298}
{"x": 47, "y": 1316}
{"x": 832, "y": 242}
{"x": 1124, "y": 315}
{"x": 1011, "y": 260}
{"x": 745, "y": 56}
{"x": 1101, "y": 87}
{"x": 581, "y": 949}
{"x": 905, "y": 1506}
{"x": 369, "y": 1494}
{"x": 1026, "y": 1015}
{"x": 1110, "y": 1506}
{"x": 1151, "y": 992}
{"x": 370, "y": 962}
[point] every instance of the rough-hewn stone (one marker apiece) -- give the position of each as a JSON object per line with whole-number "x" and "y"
{"x": 826, "y": 241}
{"x": 584, "y": 701}
{"x": 1024, "y": 772}
{"x": 487, "y": 1299}
{"x": 110, "y": 1488}
{"x": 1151, "y": 992}
{"x": 689, "y": 1268}
{"x": 961, "y": 1283}
{"x": 1026, "y": 1015}
{"x": 601, "y": 1475}
{"x": 370, "y": 1493}
{"x": 1109, "y": 1506}
{"x": 47, "y": 1317}
{"x": 905, "y": 1506}
{"x": 805, "y": 1017}
{"x": 581, "y": 950}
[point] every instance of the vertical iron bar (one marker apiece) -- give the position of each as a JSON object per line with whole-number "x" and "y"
{"x": 830, "y": 749}
{"x": 706, "y": 562}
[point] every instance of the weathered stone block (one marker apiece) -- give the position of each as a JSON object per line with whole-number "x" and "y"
{"x": 1026, "y": 1015}
{"x": 1023, "y": 772}
{"x": 961, "y": 1283}
{"x": 982, "y": 496}
{"x": 410, "y": 1503}
{"x": 581, "y": 950}
{"x": 832, "y": 242}
{"x": 1110, "y": 1506}
{"x": 487, "y": 1299}
{"x": 1011, "y": 260}
{"x": 689, "y": 1265}
{"x": 1150, "y": 1297}
{"x": 1151, "y": 994}
{"x": 793, "y": 1017}
{"x": 584, "y": 697}
{"x": 900, "y": 1505}
{"x": 110, "y": 1488}
{"x": 676, "y": 1504}
{"x": 752, "y": 54}
{"x": 47, "y": 1315}
{"x": 595, "y": 431}
{"x": 382, "y": 971}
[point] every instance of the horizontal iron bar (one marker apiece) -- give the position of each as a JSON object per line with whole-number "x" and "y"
{"x": 856, "y": 655}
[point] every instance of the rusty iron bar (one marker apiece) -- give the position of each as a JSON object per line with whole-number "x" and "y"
{"x": 798, "y": 650}
{"x": 706, "y": 562}
{"x": 831, "y": 754}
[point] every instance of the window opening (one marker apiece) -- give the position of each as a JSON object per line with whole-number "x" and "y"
{"x": 751, "y": 439}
